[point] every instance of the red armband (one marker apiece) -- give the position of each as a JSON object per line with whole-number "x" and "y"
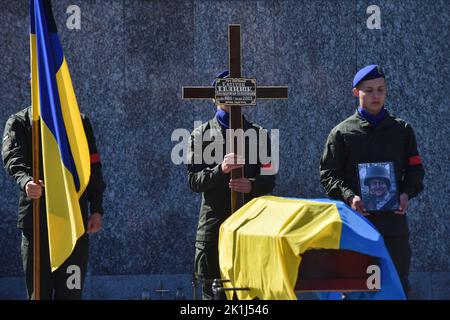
{"x": 414, "y": 161}
{"x": 95, "y": 158}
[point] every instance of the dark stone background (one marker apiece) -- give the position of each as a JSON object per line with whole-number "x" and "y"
{"x": 131, "y": 58}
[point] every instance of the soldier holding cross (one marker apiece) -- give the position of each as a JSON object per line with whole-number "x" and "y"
{"x": 214, "y": 182}
{"x": 227, "y": 184}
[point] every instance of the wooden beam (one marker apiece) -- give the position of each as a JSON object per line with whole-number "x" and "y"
{"x": 271, "y": 92}
{"x": 237, "y": 199}
{"x": 234, "y": 50}
{"x": 234, "y": 63}
{"x": 199, "y": 93}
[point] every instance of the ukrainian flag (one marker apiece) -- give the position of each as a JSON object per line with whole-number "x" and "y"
{"x": 65, "y": 151}
{"x": 261, "y": 244}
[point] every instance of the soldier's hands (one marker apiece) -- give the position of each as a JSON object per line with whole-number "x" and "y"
{"x": 357, "y": 204}
{"x": 404, "y": 200}
{"x": 94, "y": 223}
{"x": 232, "y": 161}
{"x": 242, "y": 185}
{"x": 34, "y": 190}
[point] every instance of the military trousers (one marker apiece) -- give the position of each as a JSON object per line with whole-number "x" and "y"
{"x": 400, "y": 252}
{"x": 207, "y": 267}
{"x": 60, "y": 284}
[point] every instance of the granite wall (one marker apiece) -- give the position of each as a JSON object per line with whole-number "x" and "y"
{"x": 129, "y": 61}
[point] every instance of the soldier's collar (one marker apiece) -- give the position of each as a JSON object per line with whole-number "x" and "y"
{"x": 216, "y": 125}
{"x": 363, "y": 122}
{"x": 373, "y": 119}
{"x": 387, "y": 120}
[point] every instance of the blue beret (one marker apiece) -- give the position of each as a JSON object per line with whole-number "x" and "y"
{"x": 223, "y": 74}
{"x": 368, "y": 73}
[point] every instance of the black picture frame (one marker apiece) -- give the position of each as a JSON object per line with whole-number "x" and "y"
{"x": 378, "y": 187}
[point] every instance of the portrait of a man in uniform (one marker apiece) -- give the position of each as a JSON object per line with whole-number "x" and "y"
{"x": 380, "y": 192}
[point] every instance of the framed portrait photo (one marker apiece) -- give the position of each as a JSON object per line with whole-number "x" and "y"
{"x": 378, "y": 188}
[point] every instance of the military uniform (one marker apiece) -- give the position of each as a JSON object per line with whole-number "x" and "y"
{"x": 212, "y": 183}
{"x": 385, "y": 202}
{"x": 355, "y": 141}
{"x": 389, "y": 202}
{"x": 17, "y": 160}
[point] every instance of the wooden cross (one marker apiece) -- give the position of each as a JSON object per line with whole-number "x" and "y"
{"x": 234, "y": 63}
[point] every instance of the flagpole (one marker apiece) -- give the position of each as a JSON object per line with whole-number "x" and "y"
{"x": 36, "y": 174}
{"x": 35, "y": 109}
{"x": 36, "y": 214}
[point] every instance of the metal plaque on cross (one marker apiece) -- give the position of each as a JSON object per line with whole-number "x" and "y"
{"x": 236, "y": 92}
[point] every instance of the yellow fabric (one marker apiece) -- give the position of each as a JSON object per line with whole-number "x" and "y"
{"x": 74, "y": 126}
{"x": 65, "y": 223}
{"x": 64, "y": 218}
{"x": 34, "y": 78}
{"x": 261, "y": 243}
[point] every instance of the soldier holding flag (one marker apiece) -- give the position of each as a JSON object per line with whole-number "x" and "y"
{"x": 16, "y": 153}
{"x": 51, "y": 147}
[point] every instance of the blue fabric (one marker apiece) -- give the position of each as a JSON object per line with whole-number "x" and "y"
{"x": 368, "y": 73}
{"x": 222, "y": 75}
{"x": 47, "y": 11}
{"x": 50, "y": 58}
{"x": 223, "y": 118}
{"x": 358, "y": 234}
{"x": 370, "y": 117}
{"x": 32, "y": 21}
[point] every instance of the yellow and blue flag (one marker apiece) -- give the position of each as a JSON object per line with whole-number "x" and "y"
{"x": 261, "y": 244}
{"x": 65, "y": 151}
